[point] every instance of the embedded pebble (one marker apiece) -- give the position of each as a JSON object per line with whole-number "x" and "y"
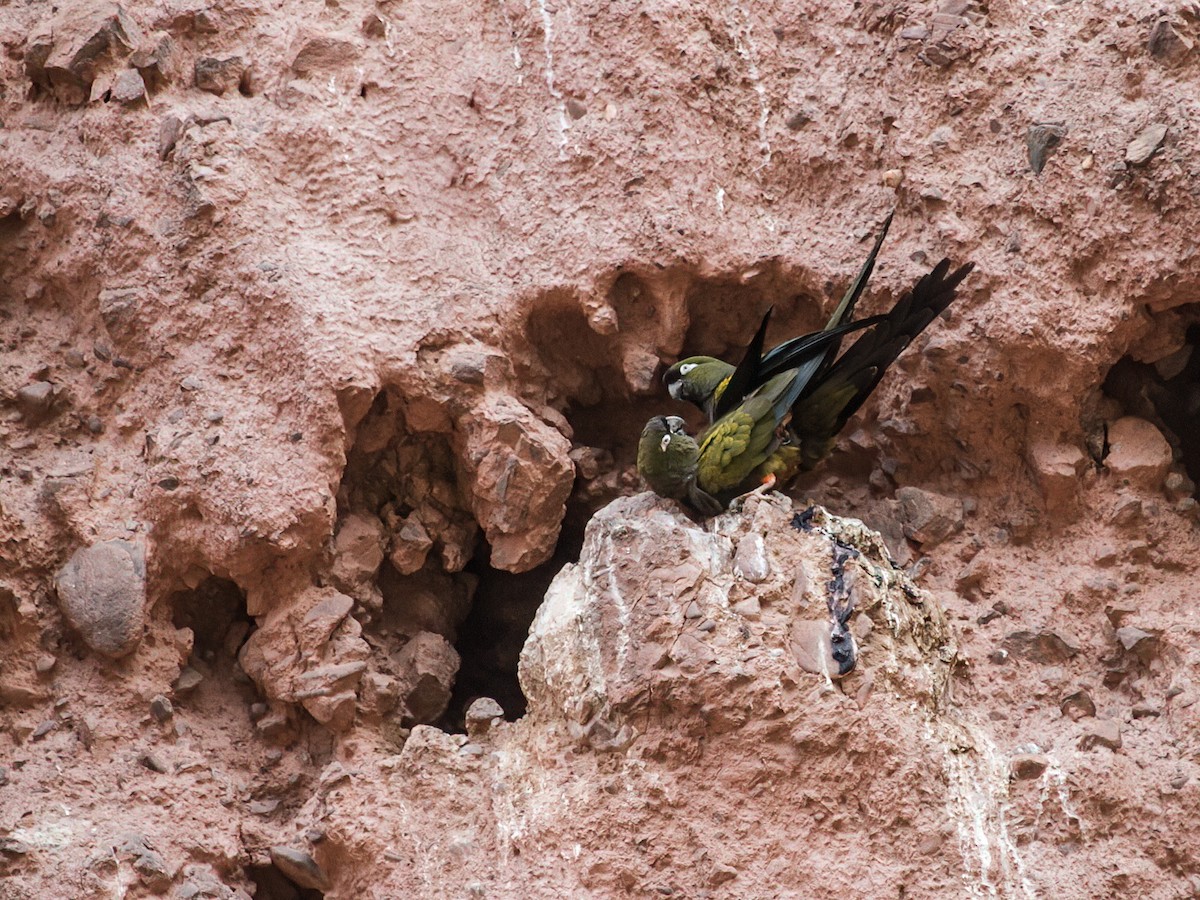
{"x": 161, "y": 708}
{"x": 750, "y": 560}
{"x": 35, "y": 401}
{"x": 188, "y": 680}
{"x": 154, "y": 763}
{"x": 1026, "y": 766}
{"x": 1101, "y": 733}
{"x": 102, "y": 593}
{"x": 1042, "y": 139}
{"x": 1143, "y": 147}
{"x": 482, "y": 714}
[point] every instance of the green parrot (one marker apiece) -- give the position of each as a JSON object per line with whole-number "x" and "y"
{"x": 716, "y": 387}
{"x": 735, "y": 454}
{"x": 791, "y": 418}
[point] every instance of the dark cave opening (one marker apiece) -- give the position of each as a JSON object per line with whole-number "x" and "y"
{"x": 215, "y": 611}
{"x": 271, "y": 884}
{"x": 1165, "y": 392}
{"x": 491, "y": 637}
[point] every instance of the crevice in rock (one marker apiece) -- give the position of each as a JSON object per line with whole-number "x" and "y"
{"x": 215, "y": 611}
{"x": 404, "y": 478}
{"x": 1162, "y": 388}
{"x": 491, "y": 637}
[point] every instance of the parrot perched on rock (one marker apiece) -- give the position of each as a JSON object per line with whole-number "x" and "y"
{"x": 788, "y": 421}
{"x": 734, "y": 455}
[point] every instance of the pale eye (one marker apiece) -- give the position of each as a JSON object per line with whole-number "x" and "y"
{"x": 665, "y": 443}
{"x": 687, "y": 367}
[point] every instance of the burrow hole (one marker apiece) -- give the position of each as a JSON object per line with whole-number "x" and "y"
{"x": 1165, "y": 391}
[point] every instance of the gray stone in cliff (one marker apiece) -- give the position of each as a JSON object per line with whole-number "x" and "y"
{"x": 102, "y": 592}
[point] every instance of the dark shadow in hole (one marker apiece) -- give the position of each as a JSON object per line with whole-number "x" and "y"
{"x": 490, "y": 639}
{"x": 1166, "y": 393}
{"x": 215, "y": 611}
{"x": 271, "y": 884}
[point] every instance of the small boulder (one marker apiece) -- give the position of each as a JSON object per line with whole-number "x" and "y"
{"x": 1027, "y": 766}
{"x": 1057, "y": 468}
{"x": 429, "y": 665}
{"x": 1101, "y": 733}
{"x": 1044, "y": 647}
{"x": 218, "y": 76}
{"x": 1145, "y": 145}
{"x": 36, "y": 401}
{"x": 299, "y": 868}
{"x": 1141, "y": 644}
{"x": 1078, "y": 705}
{"x": 129, "y": 89}
{"x": 410, "y": 545}
{"x": 482, "y": 714}
{"x": 102, "y": 592}
{"x": 358, "y": 550}
{"x": 1168, "y": 44}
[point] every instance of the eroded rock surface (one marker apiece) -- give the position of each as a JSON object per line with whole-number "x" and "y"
{"x": 343, "y": 314}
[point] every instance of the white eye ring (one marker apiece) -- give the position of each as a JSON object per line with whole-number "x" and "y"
{"x": 665, "y": 443}
{"x": 687, "y": 367}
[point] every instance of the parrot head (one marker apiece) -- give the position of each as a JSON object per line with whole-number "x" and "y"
{"x": 667, "y": 456}
{"x": 696, "y": 379}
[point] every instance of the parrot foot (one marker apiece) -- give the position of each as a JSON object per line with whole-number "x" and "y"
{"x": 768, "y": 483}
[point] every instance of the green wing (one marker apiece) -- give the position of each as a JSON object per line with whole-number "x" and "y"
{"x": 742, "y": 440}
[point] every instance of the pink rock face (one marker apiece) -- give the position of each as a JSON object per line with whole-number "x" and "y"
{"x": 352, "y": 310}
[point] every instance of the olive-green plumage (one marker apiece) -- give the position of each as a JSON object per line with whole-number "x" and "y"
{"x": 703, "y": 380}
{"x": 779, "y": 413}
{"x": 735, "y": 455}
{"x": 667, "y": 460}
{"x": 831, "y": 391}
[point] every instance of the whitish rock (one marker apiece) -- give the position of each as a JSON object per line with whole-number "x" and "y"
{"x": 102, "y": 592}
{"x": 613, "y": 633}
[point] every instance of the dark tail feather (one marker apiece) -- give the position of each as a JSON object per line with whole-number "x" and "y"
{"x": 745, "y": 377}
{"x": 845, "y": 309}
{"x": 805, "y": 353}
{"x": 835, "y": 395}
